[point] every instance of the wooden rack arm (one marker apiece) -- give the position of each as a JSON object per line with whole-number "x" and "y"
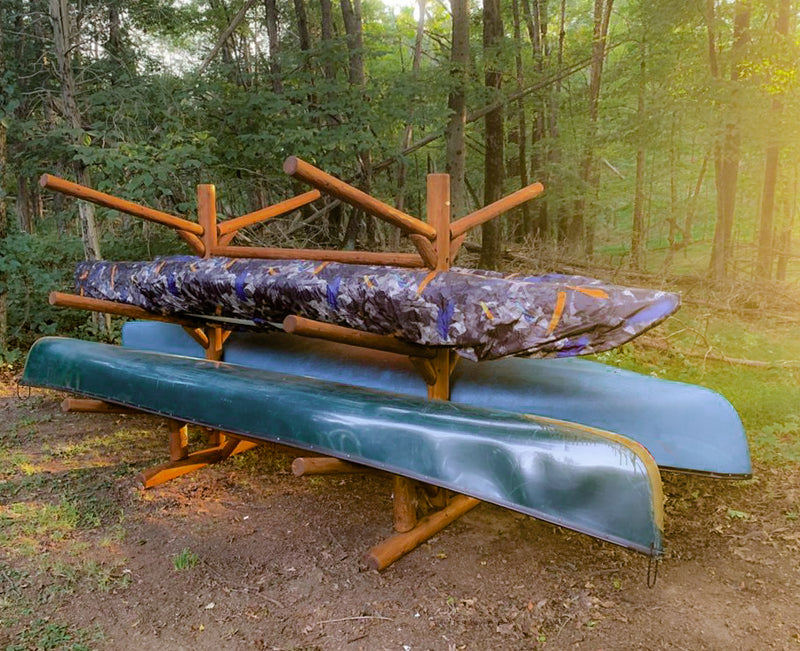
{"x": 310, "y": 328}
{"x": 60, "y": 299}
{"x": 194, "y": 242}
{"x": 425, "y": 368}
{"x": 198, "y": 334}
{"x": 426, "y": 249}
{"x": 102, "y": 199}
{"x": 265, "y": 214}
{"x": 352, "y": 257}
{"x": 495, "y": 209}
{"x": 194, "y": 461}
{"x": 324, "y": 182}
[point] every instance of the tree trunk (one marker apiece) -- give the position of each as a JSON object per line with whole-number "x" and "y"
{"x": 493, "y": 127}
{"x": 226, "y": 43}
{"x": 536, "y": 32}
{"x": 581, "y": 226}
{"x": 400, "y": 196}
{"x": 114, "y": 45}
{"x": 302, "y": 25}
{"x": 691, "y": 207}
{"x": 638, "y": 235}
{"x": 271, "y": 13}
{"x": 552, "y": 208}
{"x": 24, "y": 205}
{"x": 765, "y": 234}
{"x": 3, "y": 209}
{"x": 351, "y": 15}
{"x": 727, "y": 154}
{"x": 326, "y": 26}
{"x": 522, "y": 138}
{"x": 62, "y": 37}
{"x": 789, "y": 209}
{"x": 457, "y": 103}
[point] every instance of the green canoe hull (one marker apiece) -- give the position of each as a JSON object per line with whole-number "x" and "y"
{"x": 588, "y": 480}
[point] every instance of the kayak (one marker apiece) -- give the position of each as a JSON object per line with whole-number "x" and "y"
{"x": 482, "y": 315}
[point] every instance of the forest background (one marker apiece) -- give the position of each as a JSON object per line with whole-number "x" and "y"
{"x": 666, "y": 134}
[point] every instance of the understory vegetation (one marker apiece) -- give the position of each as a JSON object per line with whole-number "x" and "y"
{"x": 666, "y": 134}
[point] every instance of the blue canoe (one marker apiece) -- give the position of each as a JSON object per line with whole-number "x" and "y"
{"x": 581, "y": 478}
{"x": 685, "y": 427}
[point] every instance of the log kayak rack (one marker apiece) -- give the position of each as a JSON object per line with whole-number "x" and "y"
{"x": 437, "y": 242}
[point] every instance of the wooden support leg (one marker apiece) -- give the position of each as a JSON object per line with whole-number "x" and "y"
{"x": 215, "y": 438}
{"x": 166, "y": 471}
{"x": 390, "y": 550}
{"x": 324, "y": 466}
{"x": 405, "y": 503}
{"x": 216, "y": 338}
{"x": 94, "y": 406}
{"x": 436, "y": 496}
{"x": 178, "y": 440}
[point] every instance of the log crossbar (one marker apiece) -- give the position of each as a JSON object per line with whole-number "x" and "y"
{"x": 303, "y": 327}
{"x": 60, "y": 299}
{"x": 351, "y": 257}
{"x": 324, "y": 182}
{"x": 270, "y": 212}
{"x": 63, "y": 186}
{"x": 90, "y": 406}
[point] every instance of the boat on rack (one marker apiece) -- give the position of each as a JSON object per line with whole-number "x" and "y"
{"x": 588, "y": 480}
{"x": 482, "y": 315}
{"x": 685, "y": 427}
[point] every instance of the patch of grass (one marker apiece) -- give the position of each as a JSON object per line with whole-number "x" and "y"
{"x": 26, "y": 526}
{"x": 12, "y": 581}
{"x": 123, "y": 444}
{"x": 22, "y": 430}
{"x": 260, "y": 461}
{"x": 779, "y": 441}
{"x": 13, "y": 463}
{"x": 115, "y": 535}
{"x": 185, "y": 559}
{"x": 44, "y": 634}
{"x": 105, "y": 577}
{"x": 767, "y": 399}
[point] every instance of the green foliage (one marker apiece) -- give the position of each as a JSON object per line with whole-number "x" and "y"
{"x": 32, "y": 267}
{"x": 152, "y": 128}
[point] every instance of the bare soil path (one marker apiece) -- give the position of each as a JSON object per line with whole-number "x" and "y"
{"x": 245, "y": 555}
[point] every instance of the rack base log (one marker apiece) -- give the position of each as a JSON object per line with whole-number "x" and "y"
{"x": 584, "y": 479}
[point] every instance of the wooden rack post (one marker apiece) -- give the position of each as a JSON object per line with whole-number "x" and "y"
{"x": 215, "y": 335}
{"x": 412, "y": 533}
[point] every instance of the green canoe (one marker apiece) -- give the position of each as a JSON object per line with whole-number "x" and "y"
{"x": 585, "y": 479}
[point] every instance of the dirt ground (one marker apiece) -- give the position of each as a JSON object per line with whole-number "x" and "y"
{"x": 245, "y": 555}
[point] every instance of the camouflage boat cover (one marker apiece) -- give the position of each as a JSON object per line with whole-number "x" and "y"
{"x": 482, "y": 314}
